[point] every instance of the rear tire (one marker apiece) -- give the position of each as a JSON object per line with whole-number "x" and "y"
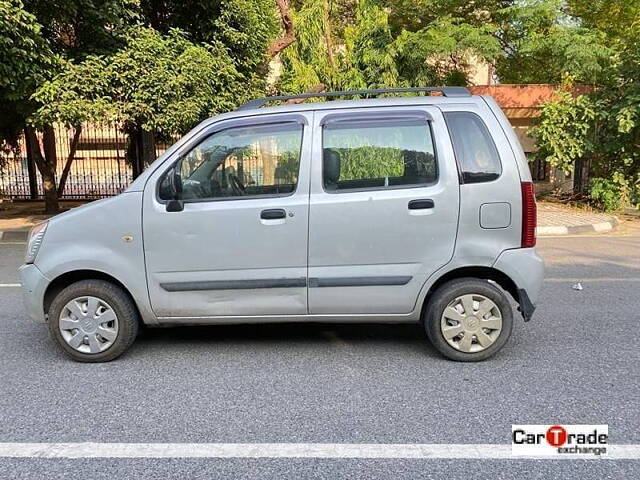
{"x": 468, "y": 319}
{"x": 93, "y": 321}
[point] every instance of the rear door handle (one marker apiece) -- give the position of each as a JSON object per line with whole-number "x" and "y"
{"x": 421, "y": 204}
{"x": 273, "y": 214}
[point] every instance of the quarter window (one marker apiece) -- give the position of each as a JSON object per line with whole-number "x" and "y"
{"x": 241, "y": 162}
{"x": 377, "y": 153}
{"x": 475, "y": 151}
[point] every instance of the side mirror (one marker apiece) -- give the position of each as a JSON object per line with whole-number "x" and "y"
{"x": 175, "y": 205}
{"x": 174, "y": 180}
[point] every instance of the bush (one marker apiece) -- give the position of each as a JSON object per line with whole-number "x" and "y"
{"x": 610, "y": 195}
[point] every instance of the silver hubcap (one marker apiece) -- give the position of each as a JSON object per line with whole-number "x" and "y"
{"x": 88, "y": 324}
{"x": 471, "y": 323}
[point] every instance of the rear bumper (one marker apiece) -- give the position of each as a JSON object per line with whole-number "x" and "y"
{"x": 526, "y": 269}
{"x": 34, "y": 286}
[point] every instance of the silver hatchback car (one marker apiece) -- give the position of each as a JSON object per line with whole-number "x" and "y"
{"x": 406, "y": 209}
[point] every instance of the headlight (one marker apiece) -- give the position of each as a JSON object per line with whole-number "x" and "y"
{"x": 35, "y": 240}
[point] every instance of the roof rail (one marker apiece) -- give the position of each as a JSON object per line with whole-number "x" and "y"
{"x": 446, "y": 91}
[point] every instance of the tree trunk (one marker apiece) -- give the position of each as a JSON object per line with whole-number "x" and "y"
{"x": 280, "y": 43}
{"x": 51, "y": 204}
{"x": 328, "y": 34}
{"x": 46, "y": 165}
{"x": 67, "y": 165}
{"x": 581, "y": 175}
{"x": 31, "y": 168}
{"x": 577, "y": 176}
{"x": 141, "y": 148}
{"x": 134, "y": 149}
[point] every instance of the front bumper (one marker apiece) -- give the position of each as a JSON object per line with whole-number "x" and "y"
{"x": 34, "y": 286}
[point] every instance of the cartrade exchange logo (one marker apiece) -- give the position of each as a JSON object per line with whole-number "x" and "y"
{"x": 552, "y": 440}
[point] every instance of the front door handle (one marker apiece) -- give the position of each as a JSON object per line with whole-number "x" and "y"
{"x": 273, "y": 214}
{"x": 421, "y": 204}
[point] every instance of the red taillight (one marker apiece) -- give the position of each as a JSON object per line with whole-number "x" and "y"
{"x": 529, "y": 215}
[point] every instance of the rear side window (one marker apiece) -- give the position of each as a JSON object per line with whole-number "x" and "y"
{"x": 475, "y": 151}
{"x": 377, "y": 153}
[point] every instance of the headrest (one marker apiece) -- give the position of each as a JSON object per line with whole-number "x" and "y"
{"x": 331, "y": 167}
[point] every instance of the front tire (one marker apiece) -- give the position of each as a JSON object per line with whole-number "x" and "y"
{"x": 468, "y": 319}
{"x": 93, "y": 321}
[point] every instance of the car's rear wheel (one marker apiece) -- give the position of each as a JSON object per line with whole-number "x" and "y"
{"x": 93, "y": 321}
{"x": 468, "y": 319}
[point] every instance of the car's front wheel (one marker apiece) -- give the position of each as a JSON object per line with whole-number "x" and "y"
{"x": 468, "y": 319}
{"x": 93, "y": 320}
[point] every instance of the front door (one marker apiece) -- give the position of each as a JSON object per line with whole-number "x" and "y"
{"x": 384, "y": 208}
{"x": 239, "y": 247}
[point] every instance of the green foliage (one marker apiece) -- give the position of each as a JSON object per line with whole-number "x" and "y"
{"x": 442, "y": 52}
{"x": 356, "y": 163}
{"x": 25, "y": 61}
{"x": 610, "y": 194}
{"x": 564, "y": 131}
{"x": 35, "y": 39}
{"x": 414, "y": 15}
{"x": 372, "y": 51}
{"x": 162, "y": 83}
{"x": 542, "y": 44}
{"x": 77, "y": 28}
{"x": 244, "y": 27}
{"x": 24, "y": 55}
{"x": 369, "y": 56}
{"x": 603, "y": 126}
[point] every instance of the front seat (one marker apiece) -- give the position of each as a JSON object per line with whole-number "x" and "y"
{"x": 331, "y": 169}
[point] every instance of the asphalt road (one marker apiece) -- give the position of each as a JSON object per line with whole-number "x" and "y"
{"x": 577, "y": 361}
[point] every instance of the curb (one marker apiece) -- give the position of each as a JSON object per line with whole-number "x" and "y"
{"x": 14, "y": 235}
{"x": 577, "y": 229}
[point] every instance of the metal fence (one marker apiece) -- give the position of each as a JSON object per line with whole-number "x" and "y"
{"x": 99, "y": 169}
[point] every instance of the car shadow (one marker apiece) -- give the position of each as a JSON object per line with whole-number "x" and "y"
{"x": 402, "y": 336}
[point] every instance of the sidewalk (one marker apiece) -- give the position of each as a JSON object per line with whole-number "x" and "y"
{"x": 16, "y": 219}
{"x": 557, "y": 219}
{"x": 553, "y": 219}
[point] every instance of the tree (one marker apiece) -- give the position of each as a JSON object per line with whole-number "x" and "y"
{"x": 77, "y": 28}
{"x": 244, "y": 27}
{"x": 156, "y": 83}
{"x": 370, "y": 45}
{"x": 25, "y": 61}
{"x": 542, "y": 43}
{"x": 36, "y": 39}
{"x": 602, "y": 128}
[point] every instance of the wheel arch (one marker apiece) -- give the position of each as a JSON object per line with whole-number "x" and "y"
{"x": 64, "y": 280}
{"x": 486, "y": 273}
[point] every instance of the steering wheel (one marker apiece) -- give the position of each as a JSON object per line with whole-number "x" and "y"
{"x": 236, "y": 185}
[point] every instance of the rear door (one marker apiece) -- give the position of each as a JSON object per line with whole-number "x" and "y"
{"x": 383, "y": 208}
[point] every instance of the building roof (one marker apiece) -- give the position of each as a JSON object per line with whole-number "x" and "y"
{"x": 523, "y": 100}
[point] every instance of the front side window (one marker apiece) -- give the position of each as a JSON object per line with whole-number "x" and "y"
{"x": 240, "y": 162}
{"x": 475, "y": 151}
{"x": 377, "y": 153}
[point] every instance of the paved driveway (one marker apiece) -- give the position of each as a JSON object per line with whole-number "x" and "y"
{"x": 577, "y": 361}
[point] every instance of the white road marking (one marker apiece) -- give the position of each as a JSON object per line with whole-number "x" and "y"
{"x": 592, "y": 279}
{"x": 590, "y": 235}
{"x": 284, "y": 450}
{"x": 9, "y": 285}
